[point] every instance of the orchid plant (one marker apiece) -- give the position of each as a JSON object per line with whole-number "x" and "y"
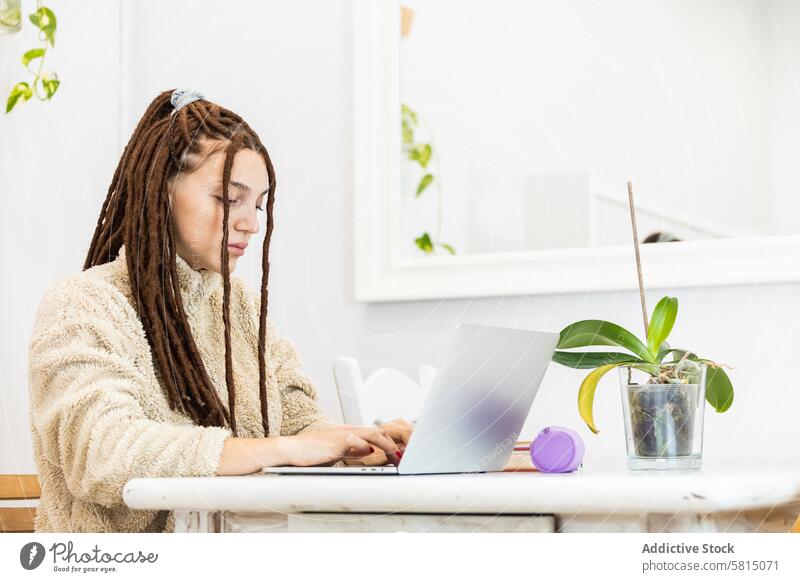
{"x": 648, "y": 356}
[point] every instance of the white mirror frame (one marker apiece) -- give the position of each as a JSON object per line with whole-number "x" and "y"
{"x": 382, "y": 276}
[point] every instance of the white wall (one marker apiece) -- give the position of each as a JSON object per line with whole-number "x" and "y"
{"x": 286, "y": 68}
{"x": 785, "y": 50}
{"x": 56, "y": 162}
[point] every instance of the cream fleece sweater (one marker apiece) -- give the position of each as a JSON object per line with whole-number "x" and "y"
{"x": 99, "y": 415}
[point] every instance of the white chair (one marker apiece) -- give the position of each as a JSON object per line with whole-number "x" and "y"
{"x": 387, "y": 393}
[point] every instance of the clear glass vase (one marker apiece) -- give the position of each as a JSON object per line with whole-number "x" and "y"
{"x": 663, "y": 406}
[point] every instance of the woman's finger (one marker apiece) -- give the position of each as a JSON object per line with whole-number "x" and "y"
{"x": 358, "y": 447}
{"x": 401, "y": 421}
{"x": 376, "y": 458}
{"x": 398, "y": 432}
{"x": 381, "y": 440}
{"x": 379, "y": 437}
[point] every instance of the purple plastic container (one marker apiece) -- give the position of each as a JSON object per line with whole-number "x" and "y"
{"x": 557, "y": 449}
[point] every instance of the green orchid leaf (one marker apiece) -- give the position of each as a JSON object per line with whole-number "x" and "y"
{"x": 448, "y": 248}
{"x": 424, "y": 183}
{"x": 661, "y": 323}
{"x": 595, "y": 332}
{"x": 719, "y": 390}
{"x": 676, "y": 353}
{"x": 586, "y": 394}
{"x": 586, "y": 360}
{"x": 663, "y": 351}
{"x": 650, "y": 368}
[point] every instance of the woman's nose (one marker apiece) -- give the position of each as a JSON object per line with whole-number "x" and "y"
{"x": 248, "y": 222}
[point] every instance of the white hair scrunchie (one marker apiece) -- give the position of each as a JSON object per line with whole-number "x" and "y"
{"x": 182, "y": 97}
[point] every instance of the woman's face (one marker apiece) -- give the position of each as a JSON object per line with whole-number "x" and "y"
{"x": 197, "y": 208}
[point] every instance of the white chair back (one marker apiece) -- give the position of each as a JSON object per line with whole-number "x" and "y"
{"x": 387, "y": 393}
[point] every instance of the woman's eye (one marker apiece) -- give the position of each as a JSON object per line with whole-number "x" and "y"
{"x": 259, "y": 208}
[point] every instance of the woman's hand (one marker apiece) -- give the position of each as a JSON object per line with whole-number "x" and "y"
{"x": 399, "y": 430}
{"x": 344, "y": 442}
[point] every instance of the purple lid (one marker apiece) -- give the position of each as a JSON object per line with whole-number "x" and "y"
{"x": 557, "y": 449}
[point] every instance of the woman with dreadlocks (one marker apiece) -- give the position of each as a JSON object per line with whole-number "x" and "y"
{"x": 154, "y": 361}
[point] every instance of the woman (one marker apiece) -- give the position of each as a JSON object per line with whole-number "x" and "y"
{"x": 154, "y": 361}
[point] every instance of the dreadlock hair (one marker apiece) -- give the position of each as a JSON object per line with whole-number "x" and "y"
{"x": 137, "y": 213}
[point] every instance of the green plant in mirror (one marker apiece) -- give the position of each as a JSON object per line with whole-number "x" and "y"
{"x": 44, "y": 84}
{"x": 421, "y": 153}
{"x": 647, "y": 356}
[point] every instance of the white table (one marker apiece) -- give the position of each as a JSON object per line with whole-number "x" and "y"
{"x": 731, "y": 500}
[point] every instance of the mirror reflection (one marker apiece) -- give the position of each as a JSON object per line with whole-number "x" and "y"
{"x": 523, "y": 121}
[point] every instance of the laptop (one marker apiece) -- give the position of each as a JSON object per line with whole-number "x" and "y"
{"x": 476, "y": 406}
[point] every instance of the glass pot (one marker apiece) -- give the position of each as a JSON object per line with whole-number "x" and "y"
{"x": 663, "y": 408}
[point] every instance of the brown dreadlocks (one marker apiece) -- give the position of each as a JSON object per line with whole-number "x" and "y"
{"x": 137, "y": 213}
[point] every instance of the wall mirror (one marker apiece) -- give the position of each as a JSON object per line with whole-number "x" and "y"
{"x": 494, "y": 142}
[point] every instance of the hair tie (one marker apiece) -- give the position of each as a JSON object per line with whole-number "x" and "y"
{"x": 182, "y": 97}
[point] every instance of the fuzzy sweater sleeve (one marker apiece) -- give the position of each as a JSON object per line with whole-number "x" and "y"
{"x": 87, "y": 396}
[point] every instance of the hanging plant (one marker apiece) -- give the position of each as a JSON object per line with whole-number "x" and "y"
{"x": 422, "y": 153}
{"x": 44, "y": 84}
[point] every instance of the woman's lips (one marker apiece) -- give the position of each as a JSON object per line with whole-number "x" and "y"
{"x": 234, "y": 250}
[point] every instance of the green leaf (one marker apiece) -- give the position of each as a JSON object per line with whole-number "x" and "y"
{"x": 45, "y": 20}
{"x": 421, "y": 154}
{"x": 586, "y": 360}
{"x": 424, "y": 183}
{"x": 20, "y": 90}
{"x": 661, "y": 323}
{"x": 409, "y": 113}
{"x": 408, "y": 134}
{"x": 448, "y": 248}
{"x": 424, "y": 243}
{"x": 651, "y": 368}
{"x": 12, "y": 100}
{"x": 586, "y": 394}
{"x": 50, "y": 86}
{"x": 664, "y": 351}
{"x": 595, "y": 332}
{"x": 32, "y": 54}
{"x": 719, "y": 390}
